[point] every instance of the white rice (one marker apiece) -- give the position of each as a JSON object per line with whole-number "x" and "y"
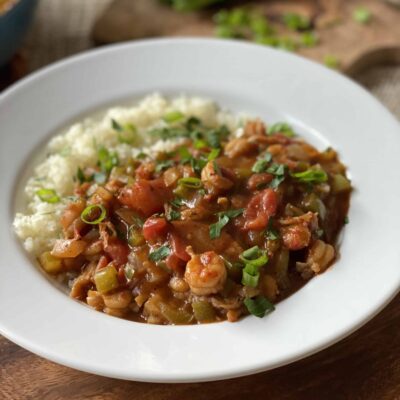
{"x": 39, "y": 226}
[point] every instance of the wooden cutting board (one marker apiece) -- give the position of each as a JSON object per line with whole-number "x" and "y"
{"x": 357, "y": 46}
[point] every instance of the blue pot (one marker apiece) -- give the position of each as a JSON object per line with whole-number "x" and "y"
{"x": 13, "y": 26}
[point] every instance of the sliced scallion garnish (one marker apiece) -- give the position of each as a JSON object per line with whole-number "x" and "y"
{"x": 281, "y": 127}
{"x": 93, "y": 214}
{"x": 250, "y": 275}
{"x": 259, "y": 306}
{"x": 190, "y": 182}
{"x": 159, "y": 254}
{"x": 254, "y": 256}
{"x": 173, "y": 116}
{"x": 48, "y": 195}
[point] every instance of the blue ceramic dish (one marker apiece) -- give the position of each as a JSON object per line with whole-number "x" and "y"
{"x": 13, "y": 26}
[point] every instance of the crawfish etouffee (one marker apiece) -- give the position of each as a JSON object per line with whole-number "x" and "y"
{"x": 173, "y": 212}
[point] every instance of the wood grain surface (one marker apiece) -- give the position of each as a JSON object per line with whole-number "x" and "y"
{"x": 364, "y": 366}
{"x": 356, "y": 46}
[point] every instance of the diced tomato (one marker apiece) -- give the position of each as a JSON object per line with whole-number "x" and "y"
{"x": 117, "y": 250}
{"x": 178, "y": 247}
{"x": 103, "y": 262}
{"x": 154, "y": 228}
{"x": 261, "y": 207}
{"x": 174, "y": 262}
{"x": 145, "y": 197}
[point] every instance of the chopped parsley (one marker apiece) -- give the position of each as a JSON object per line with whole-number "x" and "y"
{"x": 261, "y": 164}
{"x": 362, "y": 15}
{"x": 172, "y": 214}
{"x": 223, "y": 218}
{"x": 271, "y": 233}
{"x": 126, "y": 133}
{"x": 311, "y": 175}
{"x": 279, "y": 171}
{"x": 106, "y": 160}
{"x": 81, "y": 176}
{"x": 164, "y": 164}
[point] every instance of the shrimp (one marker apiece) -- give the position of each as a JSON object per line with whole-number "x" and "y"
{"x": 205, "y": 273}
{"x": 213, "y": 179}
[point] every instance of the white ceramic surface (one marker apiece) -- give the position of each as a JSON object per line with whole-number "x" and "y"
{"x": 323, "y": 105}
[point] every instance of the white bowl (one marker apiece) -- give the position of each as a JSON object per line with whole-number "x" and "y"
{"x": 325, "y": 107}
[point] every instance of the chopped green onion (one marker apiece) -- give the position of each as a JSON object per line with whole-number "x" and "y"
{"x": 173, "y": 116}
{"x": 346, "y": 220}
{"x": 286, "y": 43}
{"x": 311, "y": 176}
{"x": 190, "y": 182}
{"x": 296, "y": 21}
{"x": 214, "y": 153}
{"x": 362, "y": 15}
{"x": 48, "y": 195}
{"x": 331, "y": 61}
{"x": 254, "y": 256}
{"x": 200, "y": 144}
{"x": 177, "y": 202}
{"x": 309, "y": 39}
{"x": 259, "y": 306}
{"x": 159, "y": 254}
{"x": 281, "y": 127}
{"x": 93, "y": 214}
{"x": 262, "y": 163}
{"x": 250, "y": 275}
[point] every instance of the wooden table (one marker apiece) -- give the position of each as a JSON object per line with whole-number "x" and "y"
{"x": 366, "y": 365}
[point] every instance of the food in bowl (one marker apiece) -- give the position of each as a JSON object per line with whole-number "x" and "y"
{"x": 175, "y": 212}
